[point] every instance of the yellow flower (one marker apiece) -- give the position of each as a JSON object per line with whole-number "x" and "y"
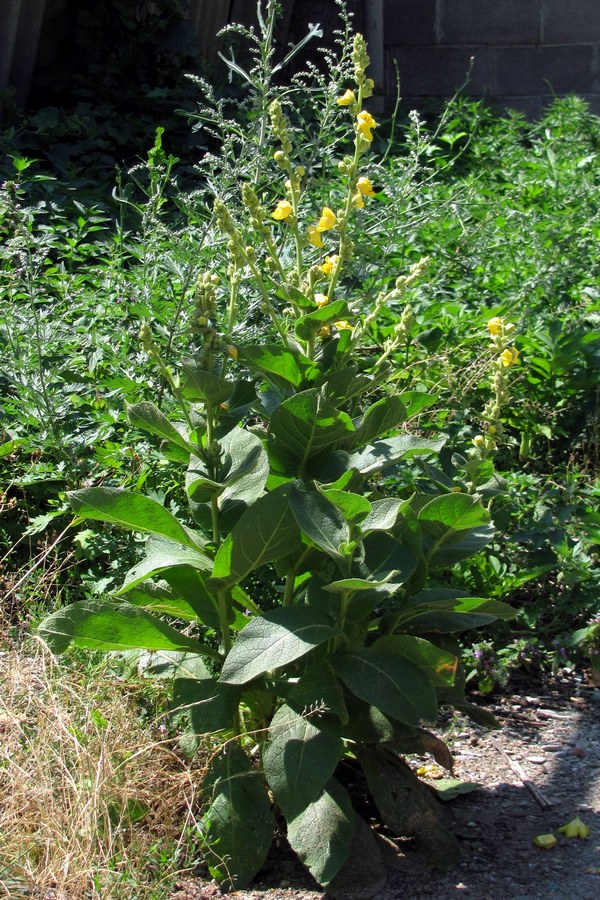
{"x": 232, "y": 351}
{"x": 324, "y": 332}
{"x": 329, "y": 264}
{"x": 364, "y": 124}
{"x": 347, "y": 98}
{"x": 545, "y": 841}
{"x": 357, "y": 201}
{"x": 479, "y": 441}
{"x": 575, "y": 828}
{"x": 365, "y": 187}
{"x": 321, "y": 300}
{"x": 282, "y": 210}
{"x": 495, "y": 325}
{"x": 343, "y": 325}
{"x": 327, "y": 220}
{"x": 509, "y": 357}
{"x": 314, "y": 236}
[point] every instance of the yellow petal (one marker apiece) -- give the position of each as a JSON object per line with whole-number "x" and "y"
{"x": 357, "y": 201}
{"x": 329, "y": 264}
{"x": 347, "y": 98}
{"x": 343, "y": 325}
{"x": 506, "y": 358}
{"x": 495, "y": 325}
{"x": 327, "y": 220}
{"x": 545, "y": 841}
{"x": 575, "y": 829}
{"x": 282, "y": 210}
{"x": 321, "y": 300}
{"x": 365, "y": 187}
{"x": 314, "y": 236}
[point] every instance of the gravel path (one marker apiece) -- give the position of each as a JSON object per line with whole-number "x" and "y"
{"x": 536, "y": 774}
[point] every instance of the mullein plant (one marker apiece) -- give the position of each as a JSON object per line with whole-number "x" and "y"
{"x": 301, "y": 602}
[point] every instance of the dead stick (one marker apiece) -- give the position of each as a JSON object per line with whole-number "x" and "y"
{"x": 522, "y": 776}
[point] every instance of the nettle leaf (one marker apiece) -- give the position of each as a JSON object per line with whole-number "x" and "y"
{"x": 247, "y": 475}
{"x": 99, "y": 625}
{"x": 439, "y": 666}
{"x": 381, "y": 417}
{"x": 298, "y": 759}
{"x": 394, "y": 685}
{"x": 319, "y": 520}
{"x": 289, "y": 365}
{"x": 307, "y": 326}
{"x": 303, "y": 427}
{"x": 203, "y": 385}
{"x": 236, "y": 829}
{"x": 454, "y": 527}
{"x": 148, "y": 417}
{"x": 322, "y": 833}
{"x": 209, "y": 704}
{"x": 266, "y": 531}
{"x": 381, "y": 454}
{"x": 354, "y": 507}
{"x": 274, "y": 640}
{"x": 383, "y": 515}
{"x": 134, "y": 511}
{"x": 164, "y": 554}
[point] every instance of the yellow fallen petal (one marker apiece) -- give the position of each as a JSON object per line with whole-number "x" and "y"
{"x": 575, "y": 829}
{"x": 545, "y": 841}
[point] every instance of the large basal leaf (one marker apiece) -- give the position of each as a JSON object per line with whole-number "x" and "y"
{"x": 321, "y": 834}
{"x": 439, "y": 666}
{"x": 392, "y": 684}
{"x": 274, "y": 640}
{"x": 99, "y": 625}
{"x": 237, "y": 826}
{"x": 304, "y": 426}
{"x": 203, "y": 385}
{"x": 266, "y": 531}
{"x": 406, "y": 806}
{"x": 290, "y": 365}
{"x": 454, "y": 527}
{"x": 298, "y": 759}
{"x": 381, "y": 454}
{"x": 148, "y": 417}
{"x": 381, "y": 417}
{"x": 319, "y": 520}
{"x": 248, "y": 468}
{"x": 209, "y": 703}
{"x": 163, "y": 554}
{"x": 133, "y": 511}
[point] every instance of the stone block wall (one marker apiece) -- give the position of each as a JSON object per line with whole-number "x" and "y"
{"x": 521, "y": 52}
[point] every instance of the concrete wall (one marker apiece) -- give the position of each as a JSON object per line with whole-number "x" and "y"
{"x": 523, "y": 51}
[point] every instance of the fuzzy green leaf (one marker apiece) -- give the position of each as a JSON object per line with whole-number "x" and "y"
{"x": 321, "y": 833}
{"x": 237, "y": 826}
{"x": 291, "y": 366}
{"x": 381, "y": 417}
{"x": 209, "y": 703}
{"x": 203, "y": 385}
{"x": 392, "y": 684}
{"x": 381, "y": 454}
{"x": 163, "y": 554}
{"x": 319, "y": 520}
{"x": 298, "y": 759}
{"x": 266, "y": 531}
{"x": 439, "y": 666}
{"x": 307, "y": 326}
{"x": 99, "y": 625}
{"x": 274, "y": 640}
{"x": 133, "y": 511}
{"x": 148, "y": 417}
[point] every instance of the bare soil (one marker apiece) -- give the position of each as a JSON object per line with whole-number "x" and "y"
{"x": 541, "y": 770}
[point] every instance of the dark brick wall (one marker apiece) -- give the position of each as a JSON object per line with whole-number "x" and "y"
{"x": 524, "y": 51}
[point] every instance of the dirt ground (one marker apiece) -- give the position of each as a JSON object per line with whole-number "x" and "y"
{"x": 536, "y": 774}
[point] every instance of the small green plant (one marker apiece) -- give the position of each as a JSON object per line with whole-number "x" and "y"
{"x": 312, "y": 620}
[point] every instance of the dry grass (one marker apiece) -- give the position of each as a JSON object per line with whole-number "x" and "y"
{"x": 76, "y": 766}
